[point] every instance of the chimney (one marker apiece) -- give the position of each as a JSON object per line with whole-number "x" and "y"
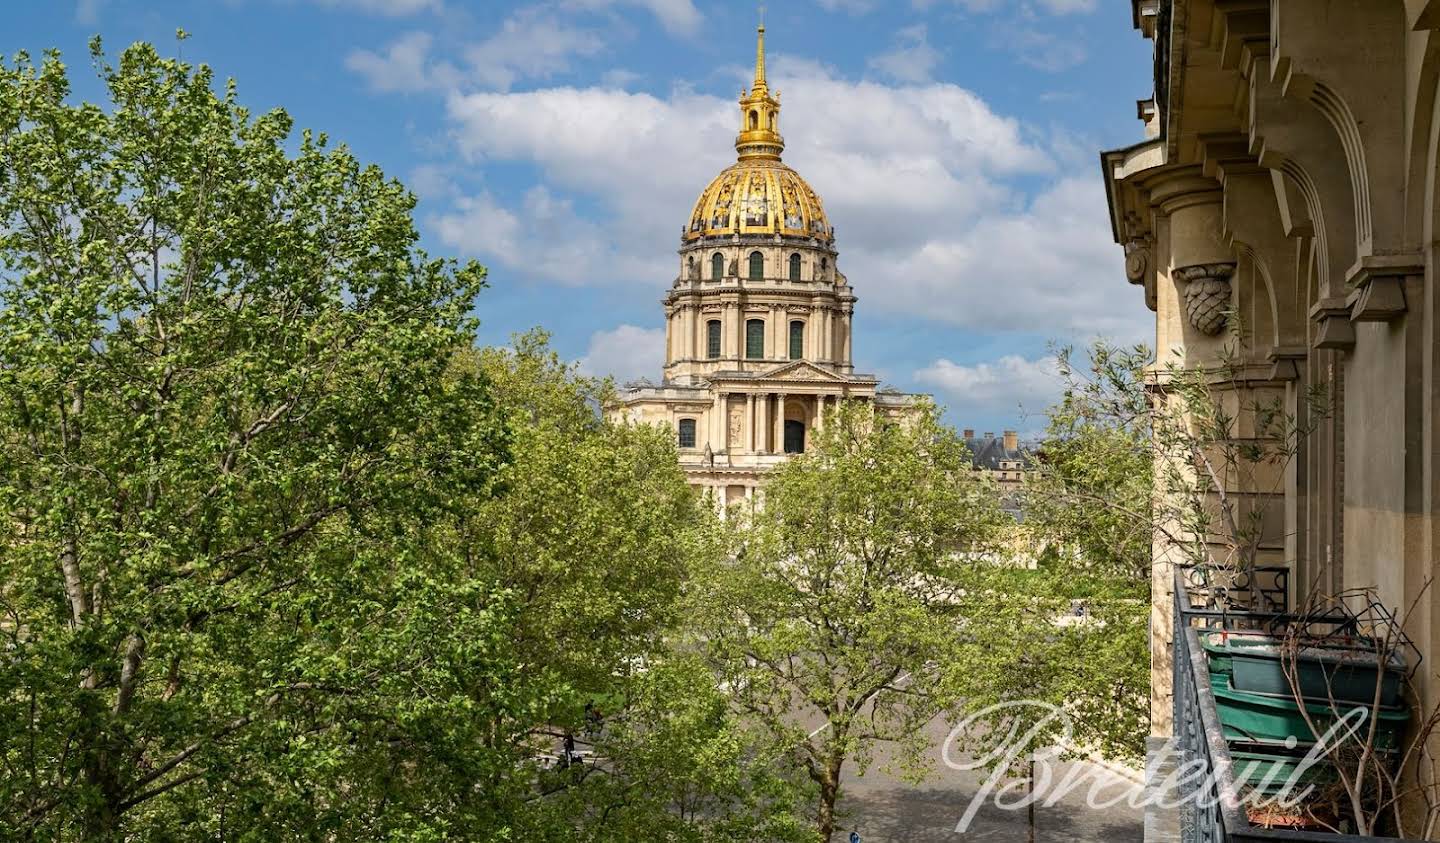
{"x": 1012, "y": 440}
{"x": 969, "y": 433}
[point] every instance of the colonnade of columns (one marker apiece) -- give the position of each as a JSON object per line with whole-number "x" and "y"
{"x": 762, "y": 429}
{"x": 827, "y": 333}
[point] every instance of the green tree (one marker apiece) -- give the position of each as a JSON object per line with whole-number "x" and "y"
{"x": 838, "y": 624}
{"x": 284, "y": 557}
{"x": 593, "y": 537}
{"x": 1134, "y": 453}
{"x": 218, "y": 362}
{"x": 1070, "y": 629}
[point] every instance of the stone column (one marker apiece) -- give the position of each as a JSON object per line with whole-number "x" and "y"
{"x": 672, "y": 337}
{"x": 739, "y": 330}
{"x": 780, "y": 423}
{"x": 692, "y": 320}
{"x": 717, "y": 422}
{"x": 848, "y": 333}
{"x": 762, "y": 417}
{"x": 750, "y": 421}
{"x": 724, "y": 318}
{"x": 1201, "y": 263}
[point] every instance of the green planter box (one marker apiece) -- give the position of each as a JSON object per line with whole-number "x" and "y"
{"x": 1271, "y": 720}
{"x": 1253, "y": 662}
{"x": 1268, "y": 773}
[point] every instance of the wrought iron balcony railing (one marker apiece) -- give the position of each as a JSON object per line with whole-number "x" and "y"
{"x": 1211, "y": 809}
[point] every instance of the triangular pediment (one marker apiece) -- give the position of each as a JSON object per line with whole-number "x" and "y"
{"x": 800, "y": 371}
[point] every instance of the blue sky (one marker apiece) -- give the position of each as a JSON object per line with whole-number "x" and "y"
{"x": 562, "y": 142}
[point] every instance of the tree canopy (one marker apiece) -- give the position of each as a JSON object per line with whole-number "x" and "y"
{"x": 284, "y": 557}
{"x": 838, "y": 624}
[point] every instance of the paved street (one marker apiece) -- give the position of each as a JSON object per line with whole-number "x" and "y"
{"x": 885, "y": 809}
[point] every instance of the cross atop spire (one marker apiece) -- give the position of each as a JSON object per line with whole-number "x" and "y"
{"x": 759, "y": 110}
{"x": 760, "y": 54}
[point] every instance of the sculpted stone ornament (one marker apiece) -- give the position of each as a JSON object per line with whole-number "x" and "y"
{"x": 1207, "y": 295}
{"x": 1137, "y": 260}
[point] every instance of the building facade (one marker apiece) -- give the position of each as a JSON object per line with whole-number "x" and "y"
{"x": 1001, "y": 457}
{"x": 1283, "y": 208}
{"x": 758, "y": 329}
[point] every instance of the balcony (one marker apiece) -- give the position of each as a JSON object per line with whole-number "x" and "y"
{"x": 1210, "y": 803}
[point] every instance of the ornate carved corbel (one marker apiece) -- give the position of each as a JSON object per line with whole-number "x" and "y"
{"x": 1137, "y": 259}
{"x": 1207, "y": 295}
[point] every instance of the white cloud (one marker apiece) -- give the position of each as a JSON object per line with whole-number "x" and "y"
{"x": 1054, "y": 7}
{"x": 532, "y": 43}
{"x": 543, "y": 238}
{"x": 894, "y": 163}
{"x": 87, "y": 12}
{"x": 677, "y": 16}
{"x": 405, "y": 65}
{"x": 619, "y": 77}
{"x": 854, "y": 7}
{"x": 1065, "y": 7}
{"x": 1041, "y": 50}
{"x": 920, "y": 181}
{"x": 1009, "y": 387}
{"x": 627, "y": 353}
{"x": 431, "y": 181}
{"x": 634, "y": 155}
{"x": 912, "y": 59}
{"x": 1048, "y": 267}
{"x": 389, "y": 8}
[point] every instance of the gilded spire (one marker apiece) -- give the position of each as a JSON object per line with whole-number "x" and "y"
{"x": 759, "y": 113}
{"x": 760, "y": 84}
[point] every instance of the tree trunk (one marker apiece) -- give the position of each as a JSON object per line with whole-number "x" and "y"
{"x": 829, "y": 793}
{"x": 1030, "y": 808}
{"x": 102, "y": 814}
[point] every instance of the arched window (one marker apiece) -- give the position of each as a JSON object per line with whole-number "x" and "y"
{"x": 754, "y": 120}
{"x": 691, "y": 266}
{"x": 797, "y": 340}
{"x": 795, "y": 267}
{"x": 687, "y": 433}
{"x": 824, "y": 267}
{"x": 755, "y": 339}
{"x": 794, "y": 437}
{"x": 712, "y": 339}
{"x": 717, "y": 266}
{"x": 757, "y": 266}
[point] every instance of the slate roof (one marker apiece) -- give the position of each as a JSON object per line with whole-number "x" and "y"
{"x": 989, "y": 451}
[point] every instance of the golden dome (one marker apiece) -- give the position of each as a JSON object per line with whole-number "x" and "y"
{"x": 759, "y": 194}
{"x": 759, "y": 197}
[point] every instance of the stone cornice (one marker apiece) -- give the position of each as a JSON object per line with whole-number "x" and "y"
{"x": 706, "y": 244}
{"x": 786, "y": 289}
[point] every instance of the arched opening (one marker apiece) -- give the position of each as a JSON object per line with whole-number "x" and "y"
{"x": 757, "y": 266}
{"x": 687, "y": 433}
{"x": 755, "y": 339}
{"x": 794, "y": 436}
{"x": 824, "y": 268}
{"x": 690, "y": 267}
{"x": 717, "y": 266}
{"x": 712, "y": 339}
{"x": 797, "y": 340}
{"x": 754, "y": 120}
{"x": 795, "y": 267}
